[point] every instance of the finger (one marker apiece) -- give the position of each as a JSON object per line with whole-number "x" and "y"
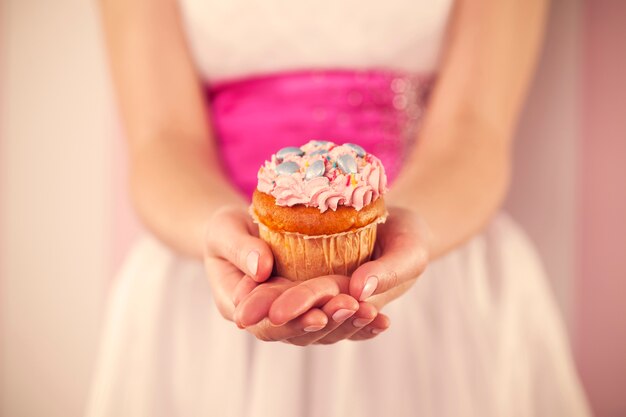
{"x": 312, "y": 321}
{"x": 404, "y": 256}
{"x": 230, "y": 238}
{"x": 247, "y": 285}
{"x": 256, "y": 306}
{"x": 376, "y": 327}
{"x": 311, "y": 293}
{"x": 339, "y": 309}
{"x": 224, "y": 278}
{"x": 243, "y": 288}
{"x": 380, "y": 300}
{"x": 364, "y": 316}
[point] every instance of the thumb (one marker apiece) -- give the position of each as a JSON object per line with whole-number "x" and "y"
{"x": 229, "y": 237}
{"x": 404, "y": 256}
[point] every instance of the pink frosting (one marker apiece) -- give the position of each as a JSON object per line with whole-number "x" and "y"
{"x": 335, "y": 187}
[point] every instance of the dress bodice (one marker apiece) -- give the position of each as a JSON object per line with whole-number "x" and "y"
{"x": 238, "y": 38}
{"x": 280, "y": 73}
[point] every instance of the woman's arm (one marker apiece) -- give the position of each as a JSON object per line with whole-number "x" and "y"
{"x": 175, "y": 175}
{"x": 458, "y": 174}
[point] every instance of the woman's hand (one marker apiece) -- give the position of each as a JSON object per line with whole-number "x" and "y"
{"x": 236, "y": 261}
{"x": 232, "y": 250}
{"x": 400, "y": 256}
{"x": 283, "y": 303}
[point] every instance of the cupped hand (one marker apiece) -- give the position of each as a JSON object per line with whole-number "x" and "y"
{"x": 233, "y": 250}
{"x": 283, "y": 303}
{"x": 236, "y": 260}
{"x": 400, "y": 256}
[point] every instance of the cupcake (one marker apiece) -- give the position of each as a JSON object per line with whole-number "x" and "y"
{"x": 317, "y": 206}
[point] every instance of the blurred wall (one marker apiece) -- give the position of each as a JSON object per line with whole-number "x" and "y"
{"x": 601, "y": 244}
{"x": 65, "y": 221}
{"x": 55, "y": 179}
{"x": 543, "y": 192}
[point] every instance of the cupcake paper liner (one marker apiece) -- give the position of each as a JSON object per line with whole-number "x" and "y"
{"x": 299, "y": 257}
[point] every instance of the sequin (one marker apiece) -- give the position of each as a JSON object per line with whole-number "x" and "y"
{"x": 400, "y": 102}
{"x": 399, "y": 85}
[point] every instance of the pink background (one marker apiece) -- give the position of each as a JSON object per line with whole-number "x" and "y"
{"x": 601, "y": 229}
{"x": 66, "y": 224}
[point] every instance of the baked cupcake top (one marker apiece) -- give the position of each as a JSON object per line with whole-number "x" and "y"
{"x": 324, "y": 175}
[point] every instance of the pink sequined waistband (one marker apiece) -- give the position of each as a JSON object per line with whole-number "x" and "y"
{"x": 254, "y": 117}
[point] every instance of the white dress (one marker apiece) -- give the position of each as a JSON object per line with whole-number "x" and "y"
{"x": 478, "y": 334}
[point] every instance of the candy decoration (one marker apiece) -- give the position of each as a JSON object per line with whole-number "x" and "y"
{"x": 316, "y": 169}
{"x": 289, "y": 150}
{"x": 287, "y": 168}
{"x": 356, "y": 148}
{"x": 324, "y": 175}
{"x": 347, "y": 164}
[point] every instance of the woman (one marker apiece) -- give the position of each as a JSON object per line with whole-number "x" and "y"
{"x": 208, "y": 90}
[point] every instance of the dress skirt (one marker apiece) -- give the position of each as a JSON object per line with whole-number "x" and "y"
{"x": 479, "y": 334}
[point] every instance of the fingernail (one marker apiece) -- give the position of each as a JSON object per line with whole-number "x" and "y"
{"x": 238, "y": 323}
{"x": 360, "y": 322}
{"x": 369, "y": 287}
{"x": 313, "y": 328}
{"x": 252, "y": 262}
{"x": 376, "y": 331}
{"x": 342, "y": 314}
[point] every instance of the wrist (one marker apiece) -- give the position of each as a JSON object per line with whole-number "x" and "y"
{"x": 427, "y": 236}
{"x": 235, "y": 206}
